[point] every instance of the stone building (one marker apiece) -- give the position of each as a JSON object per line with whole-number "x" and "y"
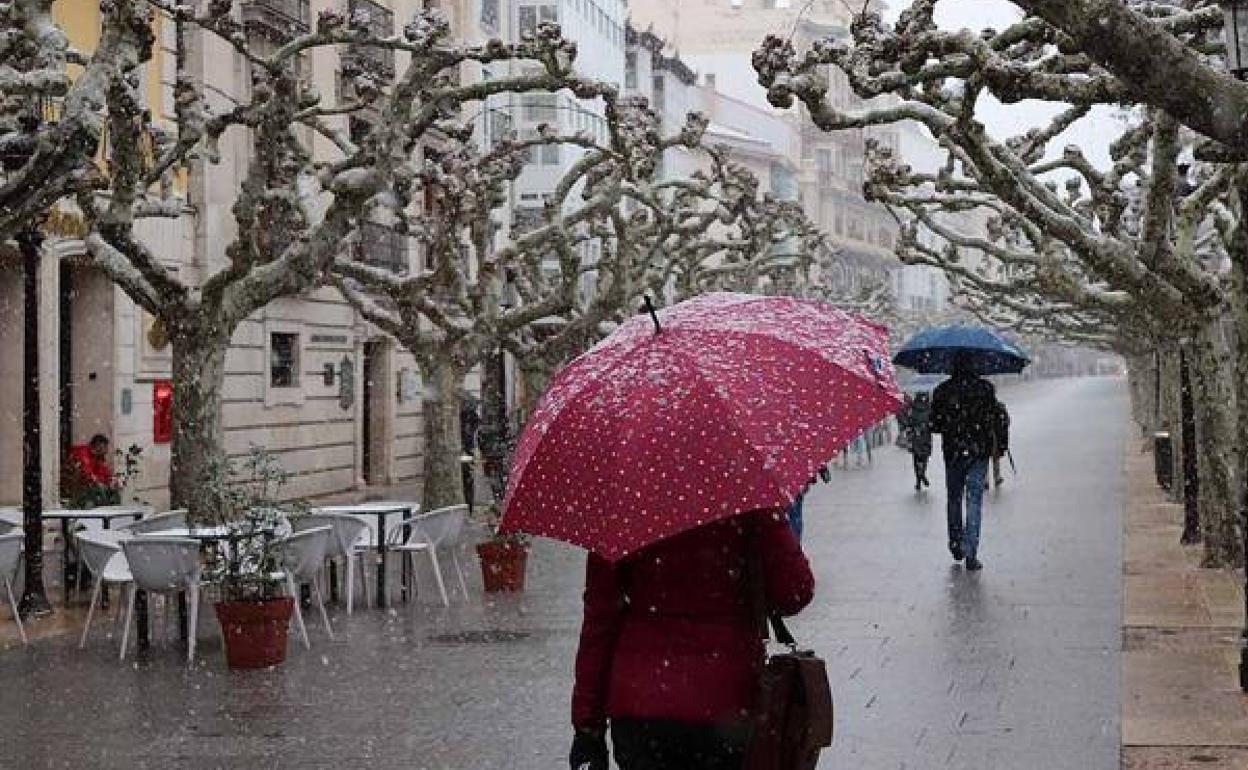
{"x": 716, "y": 38}
{"x": 336, "y": 401}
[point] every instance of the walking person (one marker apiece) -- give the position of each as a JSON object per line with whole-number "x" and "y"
{"x": 670, "y": 653}
{"x": 919, "y": 437}
{"x": 962, "y": 413}
{"x": 1000, "y": 441}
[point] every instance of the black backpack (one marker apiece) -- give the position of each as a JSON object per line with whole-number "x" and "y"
{"x": 1001, "y": 428}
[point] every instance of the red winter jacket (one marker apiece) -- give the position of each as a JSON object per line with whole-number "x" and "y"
{"x": 669, "y": 632}
{"x": 91, "y": 469}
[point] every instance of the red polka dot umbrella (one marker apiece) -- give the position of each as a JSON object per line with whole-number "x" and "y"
{"x": 731, "y": 405}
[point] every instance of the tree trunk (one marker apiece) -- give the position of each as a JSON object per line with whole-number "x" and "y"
{"x": 1169, "y": 414}
{"x": 1239, "y": 310}
{"x": 443, "y": 392}
{"x": 198, "y": 451}
{"x": 494, "y": 433}
{"x": 1214, "y": 396}
{"x": 1142, "y": 375}
{"x": 1189, "y": 481}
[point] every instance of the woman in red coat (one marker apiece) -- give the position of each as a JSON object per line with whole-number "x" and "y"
{"x": 670, "y": 649}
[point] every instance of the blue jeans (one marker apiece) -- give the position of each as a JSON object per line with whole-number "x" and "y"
{"x": 964, "y": 478}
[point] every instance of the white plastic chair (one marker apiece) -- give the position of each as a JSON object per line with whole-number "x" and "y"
{"x": 11, "y": 515}
{"x": 10, "y": 553}
{"x": 164, "y": 565}
{"x": 349, "y": 532}
{"x": 441, "y": 528}
{"x": 107, "y": 565}
{"x": 302, "y": 556}
{"x": 158, "y": 522}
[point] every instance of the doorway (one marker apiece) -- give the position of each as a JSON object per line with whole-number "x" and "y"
{"x": 376, "y": 451}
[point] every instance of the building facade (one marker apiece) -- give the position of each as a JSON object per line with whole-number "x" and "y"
{"x": 716, "y": 38}
{"x": 337, "y": 402}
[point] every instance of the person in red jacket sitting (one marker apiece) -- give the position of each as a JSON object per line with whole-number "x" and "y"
{"x": 90, "y": 476}
{"x": 670, "y": 650}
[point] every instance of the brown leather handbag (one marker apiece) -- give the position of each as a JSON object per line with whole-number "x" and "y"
{"x": 793, "y": 716}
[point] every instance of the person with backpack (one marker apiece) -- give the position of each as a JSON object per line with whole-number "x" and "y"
{"x": 963, "y": 413}
{"x": 1001, "y": 441}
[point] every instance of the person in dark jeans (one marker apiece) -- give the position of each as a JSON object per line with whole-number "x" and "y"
{"x": 670, "y": 650}
{"x": 919, "y": 437}
{"x": 963, "y": 413}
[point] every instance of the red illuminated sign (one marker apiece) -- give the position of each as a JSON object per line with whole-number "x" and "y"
{"x": 162, "y": 411}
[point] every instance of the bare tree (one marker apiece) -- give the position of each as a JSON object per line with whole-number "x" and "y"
{"x": 296, "y": 205}
{"x": 1109, "y": 267}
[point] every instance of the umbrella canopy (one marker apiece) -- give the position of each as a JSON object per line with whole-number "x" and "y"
{"x": 732, "y": 407}
{"x": 933, "y": 351}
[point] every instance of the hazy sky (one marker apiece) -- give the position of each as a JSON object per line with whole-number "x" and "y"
{"x": 1092, "y": 133}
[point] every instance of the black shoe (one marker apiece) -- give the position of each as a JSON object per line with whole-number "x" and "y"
{"x": 998, "y": 481}
{"x": 918, "y": 485}
{"x": 955, "y": 548}
{"x": 926, "y": 483}
{"x": 973, "y": 564}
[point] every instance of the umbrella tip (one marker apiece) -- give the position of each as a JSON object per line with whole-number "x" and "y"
{"x": 654, "y": 316}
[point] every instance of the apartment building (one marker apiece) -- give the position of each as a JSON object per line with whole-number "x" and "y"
{"x": 337, "y": 402}
{"x": 716, "y": 38}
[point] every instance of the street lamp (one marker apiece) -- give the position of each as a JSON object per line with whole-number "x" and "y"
{"x": 30, "y": 240}
{"x": 1235, "y": 27}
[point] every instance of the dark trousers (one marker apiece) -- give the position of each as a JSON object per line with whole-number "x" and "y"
{"x": 665, "y": 744}
{"x": 964, "y": 477}
{"x": 920, "y": 468}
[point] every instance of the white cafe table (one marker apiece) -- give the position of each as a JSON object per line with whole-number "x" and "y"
{"x": 382, "y": 510}
{"x": 104, "y": 514}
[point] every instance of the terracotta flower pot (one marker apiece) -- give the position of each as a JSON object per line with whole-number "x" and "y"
{"x": 255, "y": 631}
{"x": 502, "y": 565}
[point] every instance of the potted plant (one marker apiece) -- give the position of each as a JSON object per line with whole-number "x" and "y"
{"x": 503, "y": 557}
{"x": 253, "y": 613}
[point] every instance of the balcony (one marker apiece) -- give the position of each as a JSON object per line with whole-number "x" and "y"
{"x": 382, "y": 247}
{"x": 380, "y": 23}
{"x": 277, "y": 19}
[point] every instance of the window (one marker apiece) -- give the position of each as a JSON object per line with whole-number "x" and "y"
{"x": 540, "y": 108}
{"x": 823, "y": 162}
{"x": 548, "y": 14}
{"x": 382, "y": 247}
{"x": 380, "y": 23}
{"x": 710, "y": 80}
{"x": 660, "y": 95}
{"x": 630, "y": 69}
{"x": 489, "y": 14}
{"x": 528, "y": 20}
{"x": 283, "y": 360}
{"x": 550, "y": 154}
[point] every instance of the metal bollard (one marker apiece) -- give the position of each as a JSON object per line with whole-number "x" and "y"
{"x": 1163, "y": 459}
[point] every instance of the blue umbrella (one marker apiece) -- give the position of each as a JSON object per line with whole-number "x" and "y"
{"x": 932, "y": 351}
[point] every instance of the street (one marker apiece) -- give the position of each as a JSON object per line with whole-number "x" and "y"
{"x": 1013, "y": 668}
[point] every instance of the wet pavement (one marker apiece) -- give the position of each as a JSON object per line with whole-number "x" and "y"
{"x": 1016, "y": 667}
